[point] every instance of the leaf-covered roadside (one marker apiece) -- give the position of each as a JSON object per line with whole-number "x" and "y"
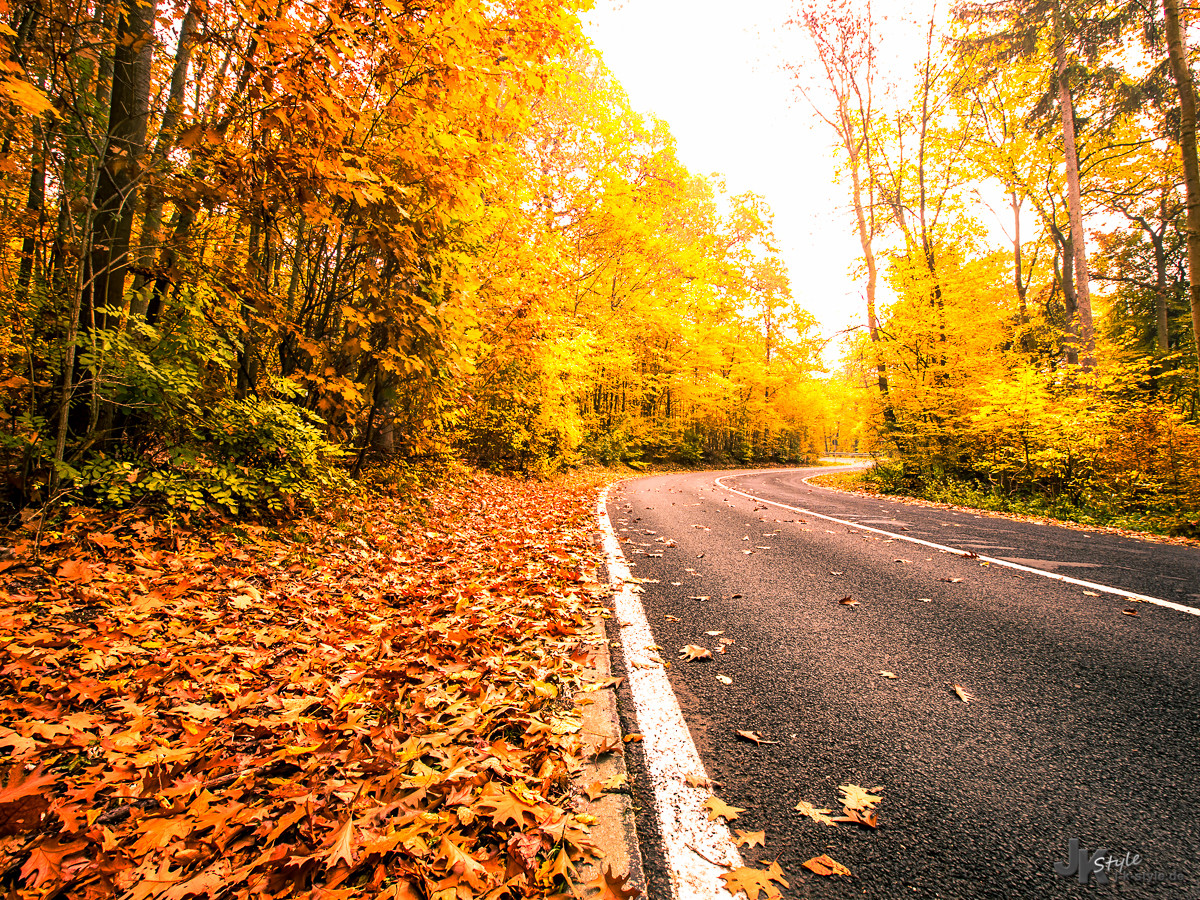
{"x": 380, "y": 702}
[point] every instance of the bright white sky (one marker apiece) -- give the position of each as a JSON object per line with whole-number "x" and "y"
{"x": 712, "y": 70}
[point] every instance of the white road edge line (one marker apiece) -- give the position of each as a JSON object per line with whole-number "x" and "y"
{"x": 671, "y": 755}
{"x": 990, "y": 560}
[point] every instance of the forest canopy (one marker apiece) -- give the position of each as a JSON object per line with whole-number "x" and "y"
{"x": 1050, "y": 366}
{"x": 248, "y": 247}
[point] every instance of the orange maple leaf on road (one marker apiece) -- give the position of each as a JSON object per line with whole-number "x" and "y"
{"x": 718, "y": 808}
{"x": 755, "y": 881}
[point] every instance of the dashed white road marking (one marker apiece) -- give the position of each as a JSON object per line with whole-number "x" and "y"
{"x": 691, "y": 842}
{"x": 990, "y": 560}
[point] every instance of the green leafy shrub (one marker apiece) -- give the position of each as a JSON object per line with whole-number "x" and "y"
{"x": 258, "y": 454}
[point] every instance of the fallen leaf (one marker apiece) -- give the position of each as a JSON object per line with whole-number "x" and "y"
{"x": 606, "y": 745}
{"x": 461, "y": 863}
{"x": 755, "y": 736}
{"x": 559, "y": 865}
{"x": 75, "y": 570}
{"x": 107, "y": 541}
{"x": 45, "y": 862}
{"x": 249, "y": 591}
{"x": 1090, "y": 594}
{"x": 613, "y": 887}
{"x": 751, "y": 838}
{"x": 343, "y": 846}
{"x": 672, "y": 618}
{"x": 695, "y": 651}
{"x": 633, "y": 737}
{"x": 962, "y": 694}
{"x": 719, "y": 809}
{"x": 1130, "y": 612}
{"x": 601, "y": 685}
{"x": 23, "y": 801}
{"x": 887, "y": 674}
{"x": 20, "y": 786}
{"x": 837, "y": 573}
{"x": 866, "y": 817}
{"x": 848, "y": 601}
{"x": 950, "y": 580}
{"x": 713, "y": 633}
{"x": 210, "y": 663}
{"x": 854, "y": 797}
{"x": 755, "y": 882}
{"x": 824, "y": 865}
{"x": 697, "y": 781}
{"x": 724, "y": 679}
{"x": 157, "y": 833}
{"x": 817, "y": 815}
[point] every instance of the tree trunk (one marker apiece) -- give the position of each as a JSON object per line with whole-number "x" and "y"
{"x": 1067, "y": 282}
{"x": 927, "y": 247}
{"x": 167, "y": 132}
{"x": 35, "y": 202}
{"x": 1018, "y": 263}
{"x": 119, "y": 175}
{"x": 1182, "y": 74}
{"x": 865, "y": 236}
{"x": 1162, "y": 291}
{"x": 1082, "y": 320}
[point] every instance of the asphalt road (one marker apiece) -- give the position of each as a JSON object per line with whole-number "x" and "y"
{"x": 1084, "y": 722}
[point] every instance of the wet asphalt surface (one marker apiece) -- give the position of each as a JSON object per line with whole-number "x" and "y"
{"x": 1084, "y": 722}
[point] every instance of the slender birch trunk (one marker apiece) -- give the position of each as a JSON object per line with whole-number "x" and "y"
{"x": 1082, "y": 321}
{"x": 1182, "y": 73}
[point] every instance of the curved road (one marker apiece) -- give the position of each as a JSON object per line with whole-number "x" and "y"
{"x": 1083, "y": 722}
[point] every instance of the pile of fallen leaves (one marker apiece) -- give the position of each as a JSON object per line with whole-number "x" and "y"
{"x": 375, "y": 701}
